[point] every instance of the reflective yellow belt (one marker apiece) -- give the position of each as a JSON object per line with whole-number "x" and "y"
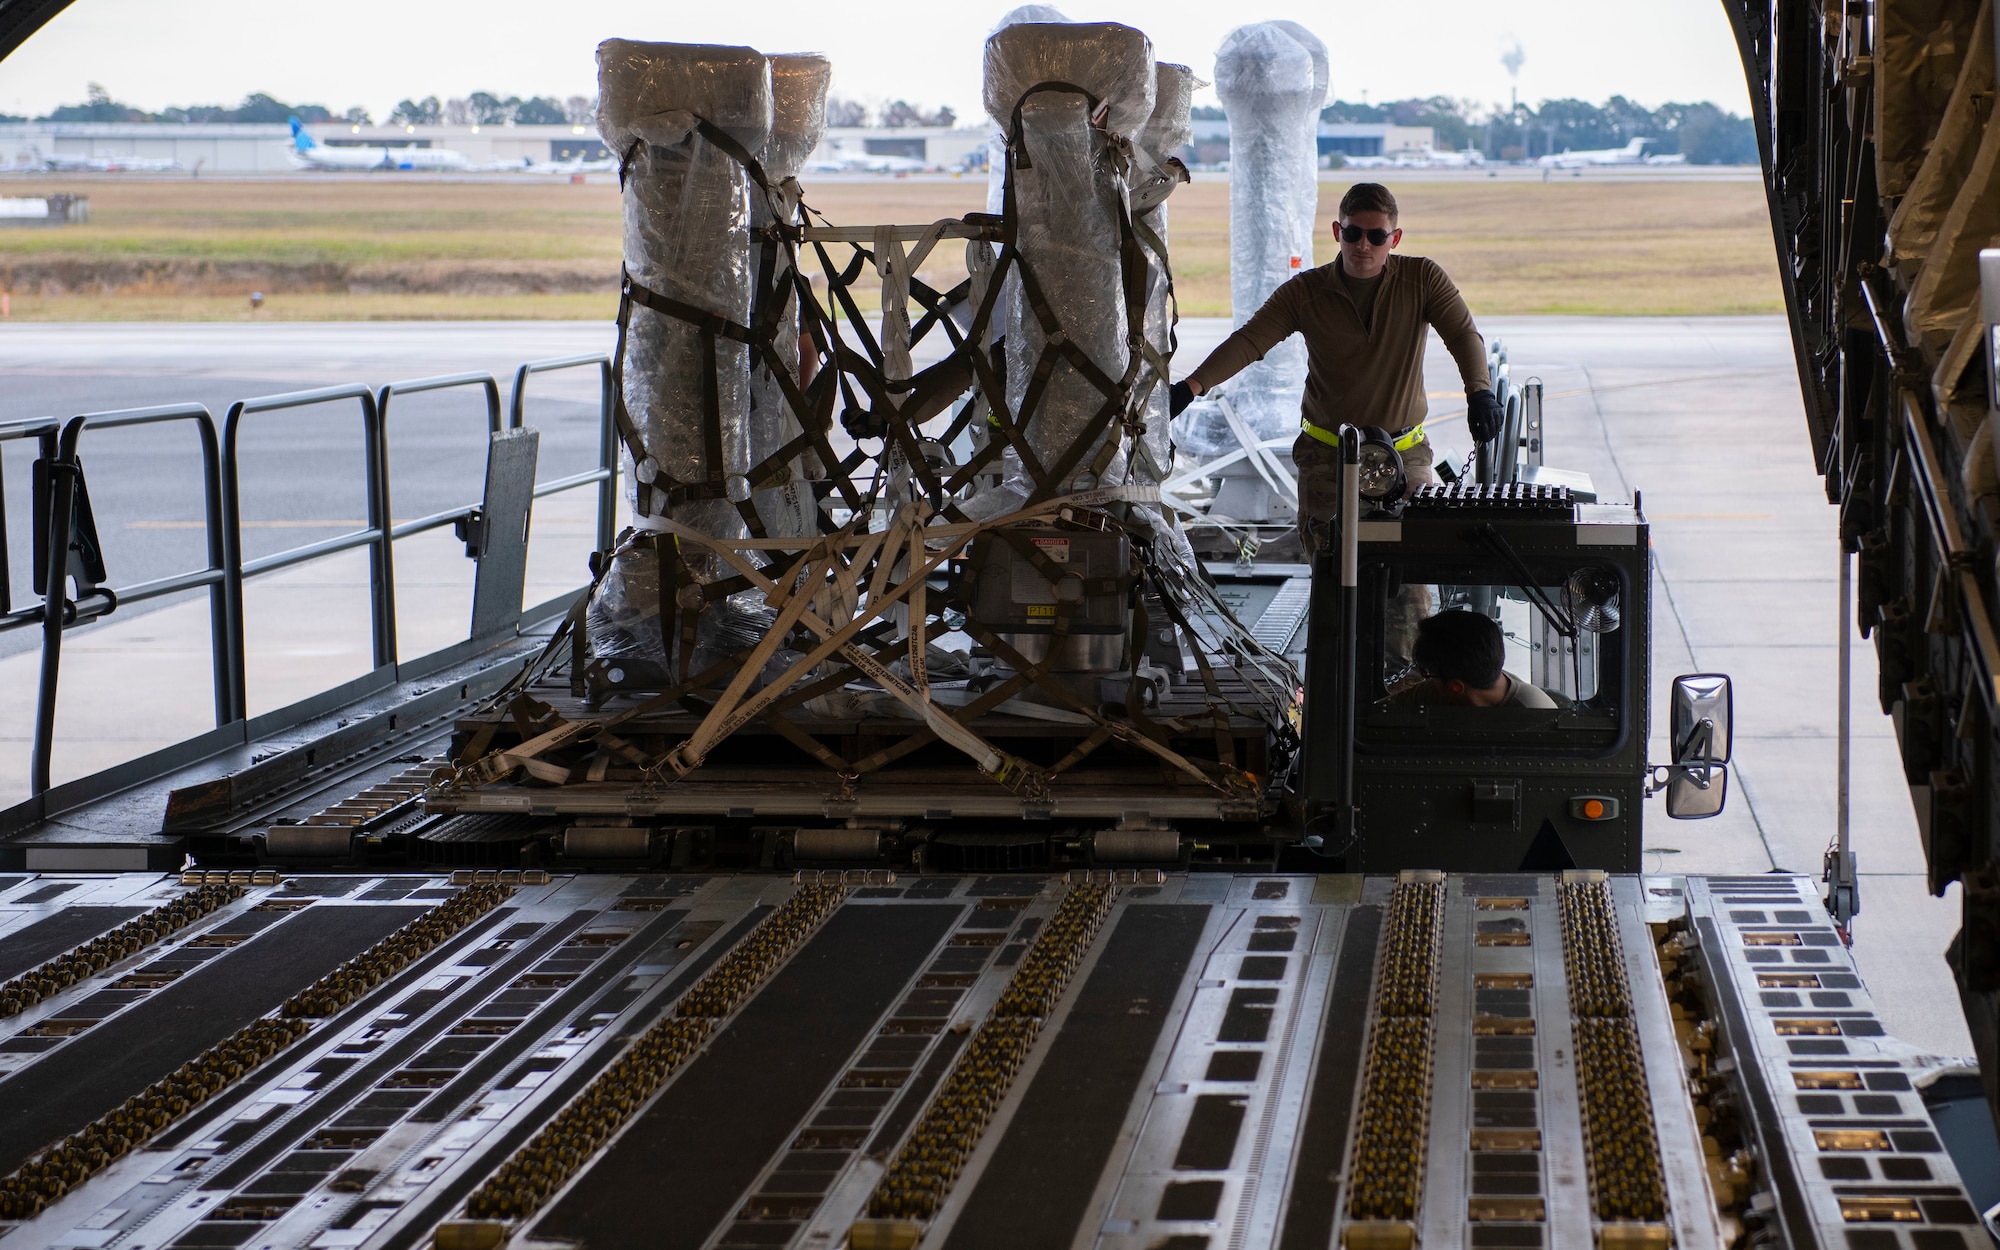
{"x": 1403, "y": 442}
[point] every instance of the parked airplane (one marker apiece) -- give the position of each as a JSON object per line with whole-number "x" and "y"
{"x": 578, "y": 165}
{"x": 1632, "y": 153}
{"x": 1426, "y": 157}
{"x": 310, "y": 153}
{"x": 841, "y": 161}
{"x": 64, "y": 163}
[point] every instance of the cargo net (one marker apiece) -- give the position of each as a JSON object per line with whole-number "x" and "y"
{"x": 768, "y": 627}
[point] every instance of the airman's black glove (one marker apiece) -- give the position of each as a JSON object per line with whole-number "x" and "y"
{"x": 1483, "y": 416}
{"x": 1179, "y": 396}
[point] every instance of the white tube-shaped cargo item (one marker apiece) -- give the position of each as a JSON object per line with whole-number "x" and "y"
{"x": 996, "y": 134}
{"x": 1272, "y": 86}
{"x": 686, "y": 237}
{"x": 798, "y": 123}
{"x": 1309, "y": 168}
{"x": 1068, "y": 194}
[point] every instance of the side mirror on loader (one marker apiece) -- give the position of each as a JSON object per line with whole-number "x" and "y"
{"x": 1697, "y": 782}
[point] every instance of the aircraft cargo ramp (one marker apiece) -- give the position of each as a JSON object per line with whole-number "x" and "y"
{"x": 1123, "y": 1058}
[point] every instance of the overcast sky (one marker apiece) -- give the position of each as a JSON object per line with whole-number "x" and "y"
{"x": 375, "y": 52}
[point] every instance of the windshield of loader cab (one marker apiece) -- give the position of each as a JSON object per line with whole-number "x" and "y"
{"x": 1565, "y": 636}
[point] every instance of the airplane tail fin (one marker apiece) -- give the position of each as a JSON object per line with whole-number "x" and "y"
{"x": 301, "y": 138}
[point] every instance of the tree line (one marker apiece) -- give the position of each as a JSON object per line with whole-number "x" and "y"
{"x": 895, "y": 115}
{"x": 478, "y": 109}
{"x": 1705, "y": 133}
{"x": 485, "y": 109}
{"x": 481, "y": 108}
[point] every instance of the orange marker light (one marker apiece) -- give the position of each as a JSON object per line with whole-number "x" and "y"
{"x": 1593, "y": 809}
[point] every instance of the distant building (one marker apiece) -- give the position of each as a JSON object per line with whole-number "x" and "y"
{"x": 242, "y": 148}
{"x": 1211, "y": 140}
{"x": 934, "y": 147}
{"x": 1372, "y": 139}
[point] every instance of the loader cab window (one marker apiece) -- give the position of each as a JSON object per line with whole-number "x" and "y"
{"x": 1564, "y": 635}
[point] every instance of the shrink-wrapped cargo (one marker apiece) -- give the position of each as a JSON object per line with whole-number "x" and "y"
{"x": 996, "y": 135}
{"x": 1272, "y": 79}
{"x": 686, "y": 241}
{"x": 1068, "y": 194}
{"x": 798, "y": 122}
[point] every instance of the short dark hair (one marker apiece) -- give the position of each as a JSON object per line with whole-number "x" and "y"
{"x": 1367, "y": 197}
{"x": 1461, "y": 646}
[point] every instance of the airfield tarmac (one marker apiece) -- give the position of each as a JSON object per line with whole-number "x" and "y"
{"x": 1701, "y": 414}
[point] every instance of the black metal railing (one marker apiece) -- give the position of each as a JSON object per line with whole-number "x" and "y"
{"x": 45, "y": 431}
{"x": 450, "y": 381}
{"x": 59, "y": 469}
{"x": 374, "y": 536}
{"x": 606, "y": 472}
{"x": 63, "y": 472}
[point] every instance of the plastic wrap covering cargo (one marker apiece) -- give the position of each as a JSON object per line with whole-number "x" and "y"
{"x": 1942, "y": 313}
{"x": 1919, "y": 47}
{"x": 996, "y": 144}
{"x": 847, "y": 621}
{"x": 1271, "y": 77}
{"x": 798, "y": 122}
{"x": 671, "y": 111}
{"x": 1159, "y": 173}
{"x": 1948, "y": 160}
{"x": 1071, "y": 96}
{"x": 996, "y": 135}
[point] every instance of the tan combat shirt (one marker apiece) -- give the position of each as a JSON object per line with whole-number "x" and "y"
{"x": 1360, "y": 373}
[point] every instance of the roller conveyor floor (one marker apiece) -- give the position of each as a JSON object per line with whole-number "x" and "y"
{"x": 1132, "y": 1060}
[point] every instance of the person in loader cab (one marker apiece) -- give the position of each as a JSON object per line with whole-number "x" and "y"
{"x": 1365, "y": 318}
{"x": 1462, "y": 656}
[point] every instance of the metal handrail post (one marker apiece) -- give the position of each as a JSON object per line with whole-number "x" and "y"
{"x": 607, "y": 458}
{"x": 1327, "y": 771}
{"x": 486, "y": 382}
{"x": 61, "y": 458}
{"x": 489, "y": 385}
{"x": 381, "y": 558}
{"x": 62, "y": 504}
{"x": 222, "y": 636}
{"x": 1350, "y": 622}
{"x": 376, "y": 537}
{"x": 212, "y": 516}
{"x": 43, "y": 430}
{"x": 606, "y": 473}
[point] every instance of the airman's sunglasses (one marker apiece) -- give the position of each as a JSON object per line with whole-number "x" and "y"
{"x": 1354, "y": 234}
